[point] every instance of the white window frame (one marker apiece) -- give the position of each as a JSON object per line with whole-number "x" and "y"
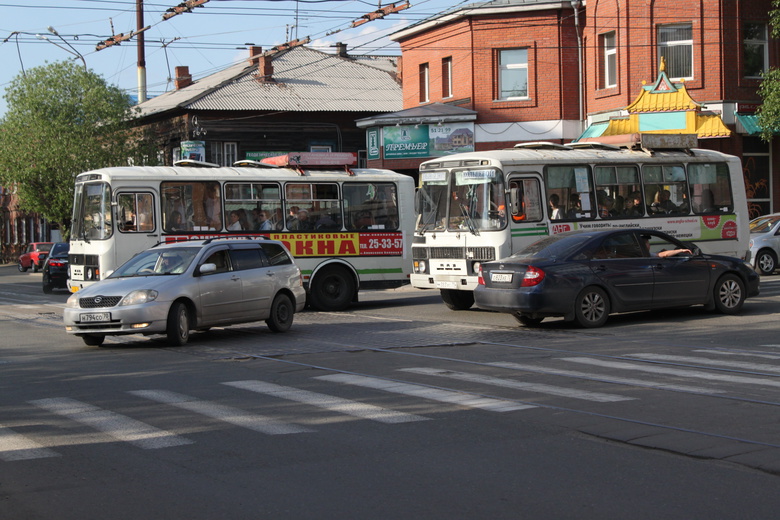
{"x": 446, "y": 77}
{"x": 610, "y": 59}
{"x": 757, "y": 42}
{"x": 425, "y": 84}
{"x": 668, "y": 48}
{"x": 224, "y": 153}
{"x": 507, "y": 68}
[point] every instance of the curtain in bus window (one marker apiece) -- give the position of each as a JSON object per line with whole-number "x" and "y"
{"x": 572, "y": 185}
{"x": 710, "y": 188}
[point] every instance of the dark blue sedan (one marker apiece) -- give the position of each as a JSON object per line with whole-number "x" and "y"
{"x": 585, "y": 276}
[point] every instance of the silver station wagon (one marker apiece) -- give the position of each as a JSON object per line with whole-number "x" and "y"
{"x": 175, "y": 288}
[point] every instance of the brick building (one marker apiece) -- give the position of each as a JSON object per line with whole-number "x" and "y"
{"x": 539, "y": 70}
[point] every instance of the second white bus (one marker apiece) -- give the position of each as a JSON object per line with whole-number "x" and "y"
{"x": 482, "y": 206}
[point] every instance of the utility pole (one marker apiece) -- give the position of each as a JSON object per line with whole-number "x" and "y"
{"x": 139, "y": 7}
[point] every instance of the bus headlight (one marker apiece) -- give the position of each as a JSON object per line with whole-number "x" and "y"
{"x": 419, "y": 266}
{"x": 475, "y": 267}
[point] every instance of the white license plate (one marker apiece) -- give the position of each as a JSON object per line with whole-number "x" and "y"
{"x": 446, "y": 285}
{"x": 93, "y": 317}
{"x": 501, "y": 277}
{"x": 76, "y": 273}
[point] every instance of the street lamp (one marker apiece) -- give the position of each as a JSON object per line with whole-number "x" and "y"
{"x": 72, "y": 49}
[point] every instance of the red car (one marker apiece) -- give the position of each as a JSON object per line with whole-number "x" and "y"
{"x": 35, "y": 256}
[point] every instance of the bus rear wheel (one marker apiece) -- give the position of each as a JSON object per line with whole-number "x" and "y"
{"x": 457, "y": 300}
{"x": 332, "y": 289}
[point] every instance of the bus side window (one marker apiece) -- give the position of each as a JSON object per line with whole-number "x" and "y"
{"x": 525, "y": 202}
{"x": 135, "y": 213}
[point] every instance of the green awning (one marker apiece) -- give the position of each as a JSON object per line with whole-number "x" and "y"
{"x": 749, "y": 124}
{"x": 594, "y": 130}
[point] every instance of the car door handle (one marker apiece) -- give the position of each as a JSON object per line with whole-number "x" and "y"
{"x": 601, "y": 267}
{"x": 235, "y": 278}
{"x": 269, "y": 273}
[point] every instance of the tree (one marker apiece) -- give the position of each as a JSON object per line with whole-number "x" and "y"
{"x": 769, "y": 90}
{"x": 62, "y": 120}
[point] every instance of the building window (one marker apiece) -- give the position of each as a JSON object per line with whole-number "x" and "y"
{"x": 609, "y": 63}
{"x": 675, "y": 47}
{"x": 224, "y": 154}
{"x": 513, "y": 74}
{"x": 756, "y": 166}
{"x": 754, "y": 49}
{"x": 424, "y": 83}
{"x": 446, "y": 77}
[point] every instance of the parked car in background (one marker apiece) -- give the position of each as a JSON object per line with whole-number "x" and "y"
{"x": 765, "y": 243}
{"x": 55, "y": 268}
{"x": 177, "y": 287}
{"x": 34, "y": 256}
{"x": 586, "y": 275}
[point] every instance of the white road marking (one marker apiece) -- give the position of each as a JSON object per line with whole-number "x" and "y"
{"x": 607, "y": 379}
{"x": 435, "y": 394}
{"x": 14, "y": 446}
{"x": 709, "y": 362}
{"x": 328, "y": 402}
{"x": 655, "y": 369}
{"x": 113, "y": 424}
{"x": 220, "y": 412}
{"x": 531, "y": 387}
{"x": 738, "y": 354}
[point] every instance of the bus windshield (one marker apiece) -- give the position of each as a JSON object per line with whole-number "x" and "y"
{"x": 92, "y": 212}
{"x": 468, "y": 199}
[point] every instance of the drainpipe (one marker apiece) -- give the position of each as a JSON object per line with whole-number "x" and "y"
{"x": 576, "y": 4}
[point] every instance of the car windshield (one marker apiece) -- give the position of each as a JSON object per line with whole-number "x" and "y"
{"x": 762, "y": 225}
{"x": 556, "y": 246}
{"x": 157, "y": 262}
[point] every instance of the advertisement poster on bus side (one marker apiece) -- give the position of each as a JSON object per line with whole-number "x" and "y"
{"x": 705, "y": 227}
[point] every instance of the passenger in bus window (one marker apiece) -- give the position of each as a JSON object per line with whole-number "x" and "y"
{"x": 662, "y": 204}
{"x": 292, "y": 216}
{"x": 302, "y": 222}
{"x": 233, "y": 221}
{"x": 278, "y": 219}
{"x": 176, "y": 222}
{"x": 211, "y": 206}
{"x": 605, "y": 202}
{"x": 575, "y": 206}
{"x": 555, "y": 210}
{"x": 634, "y": 206}
{"x": 262, "y": 223}
{"x": 618, "y": 207}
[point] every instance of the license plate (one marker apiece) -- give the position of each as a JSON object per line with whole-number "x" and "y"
{"x": 76, "y": 272}
{"x": 501, "y": 277}
{"x": 93, "y": 317}
{"x": 446, "y": 285}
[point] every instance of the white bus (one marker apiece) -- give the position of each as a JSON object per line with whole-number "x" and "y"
{"x": 347, "y": 228}
{"x": 481, "y": 206}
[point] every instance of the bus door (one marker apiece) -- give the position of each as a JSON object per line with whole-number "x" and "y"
{"x": 526, "y": 216}
{"x": 138, "y": 225}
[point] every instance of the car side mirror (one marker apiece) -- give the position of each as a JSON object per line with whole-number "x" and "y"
{"x": 696, "y": 251}
{"x": 207, "y": 268}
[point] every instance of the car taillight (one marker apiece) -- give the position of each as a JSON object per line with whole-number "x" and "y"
{"x": 480, "y": 279}
{"x": 56, "y": 263}
{"x": 533, "y": 276}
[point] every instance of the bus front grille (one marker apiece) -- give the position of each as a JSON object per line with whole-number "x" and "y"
{"x": 484, "y": 254}
{"x": 448, "y": 253}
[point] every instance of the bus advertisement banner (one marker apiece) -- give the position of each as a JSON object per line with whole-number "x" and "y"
{"x": 323, "y": 244}
{"x": 704, "y": 227}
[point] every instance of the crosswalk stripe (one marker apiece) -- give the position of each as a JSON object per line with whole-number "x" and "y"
{"x": 113, "y": 424}
{"x": 675, "y": 371}
{"x": 601, "y": 377}
{"x": 328, "y": 402}
{"x": 762, "y": 367}
{"x": 258, "y": 423}
{"x": 14, "y": 446}
{"x": 522, "y": 385}
{"x": 435, "y": 394}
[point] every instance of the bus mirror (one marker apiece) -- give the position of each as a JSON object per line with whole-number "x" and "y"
{"x": 515, "y": 201}
{"x": 418, "y": 201}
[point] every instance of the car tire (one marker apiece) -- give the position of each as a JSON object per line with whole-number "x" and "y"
{"x": 22, "y": 268}
{"x": 766, "y": 262}
{"x": 591, "y": 307}
{"x": 526, "y": 320}
{"x": 729, "y": 294}
{"x": 282, "y": 312}
{"x": 178, "y": 330}
{"x": 332, "y": 289}
{"x": 93, "y": 340}
{"x": 457, "y": 300}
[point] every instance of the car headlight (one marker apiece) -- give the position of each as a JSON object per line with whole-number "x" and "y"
{"x": 136, "y": 297}
{"x": 73, "y": 301}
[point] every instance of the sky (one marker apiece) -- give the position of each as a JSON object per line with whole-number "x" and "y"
{"x": 208, "y": 39}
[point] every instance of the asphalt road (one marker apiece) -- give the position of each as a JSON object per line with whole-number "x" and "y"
{"x": 397, "y": 408}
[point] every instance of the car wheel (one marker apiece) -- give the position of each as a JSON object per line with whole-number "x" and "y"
{"x": 457, "y": 300}
{"x": 729, "y": 294}
{"x": 591, "y": 308}
{"x": 93, "y": 340}
{"x": 332, "y": 289}
{"x": 282, "y": 313}
{"x": 766, "y": 262}
{"x": 21, "y": 267}
{"x": 527, "y": 320}
{"x": 178, "y": 330}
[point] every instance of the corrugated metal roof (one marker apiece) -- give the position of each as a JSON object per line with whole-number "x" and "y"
{"x": 306, "y": 80}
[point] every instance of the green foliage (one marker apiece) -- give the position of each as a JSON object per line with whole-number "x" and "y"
{"x": 769, "y": 112}
{"x": 62, "y": 120}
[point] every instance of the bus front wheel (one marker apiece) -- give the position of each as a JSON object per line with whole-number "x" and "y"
{"x": 457, "y": 300}
{"x": 332, "y": 289}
